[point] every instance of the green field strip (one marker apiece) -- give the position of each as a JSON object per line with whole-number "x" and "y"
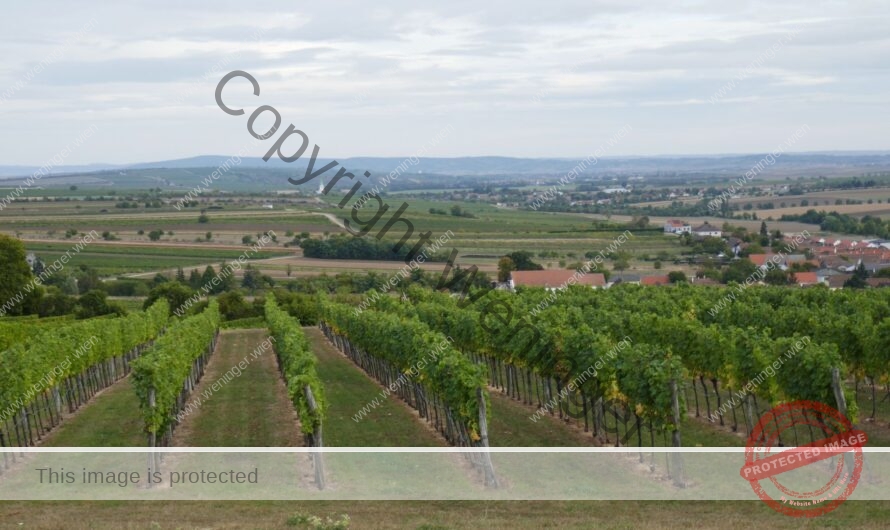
{"x": 250, "y": 410}
{"x": 510, "y": 426}
{"x": 349, "y": 389}
{"x": 111, "y": 419}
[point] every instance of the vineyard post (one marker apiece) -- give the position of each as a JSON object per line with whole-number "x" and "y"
{"x": 841, "y": 406}
{"x": 3, "y": 444}
{"x": 749, "y": 413}
{"x": 152, "y": 435}
{"x": 317, "y": 441}
{"x": 838, "y": 391}
{"x": 491, "y": 479}
{"x": 678, "y": 473}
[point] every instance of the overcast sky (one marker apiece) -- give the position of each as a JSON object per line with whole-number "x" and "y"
{"x": 515, "y": 78}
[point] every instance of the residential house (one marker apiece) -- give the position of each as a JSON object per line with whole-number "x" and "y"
{"x": 838, "y": 280}
{"x": 707, "y": 230}
{"x": 555, "y": 279}
{"x": 655, "y": 280}
{"x": 675, "y": 226}
{"x": 805, "y": 279}
{"x": 760, "y": 260}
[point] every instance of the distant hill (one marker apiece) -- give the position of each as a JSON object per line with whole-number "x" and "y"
{"x": 499, "y": 165}
{"x": 482, "y": 165}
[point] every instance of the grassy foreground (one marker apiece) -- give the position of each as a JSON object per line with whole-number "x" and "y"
{"x": 432, "y": 515}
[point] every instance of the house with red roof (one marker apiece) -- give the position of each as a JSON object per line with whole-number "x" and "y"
{"x": 805, "y": 279}
{"x": 759, "y": 259}
{"x": 556, "y": 279}
{"x": 655, "y": 280}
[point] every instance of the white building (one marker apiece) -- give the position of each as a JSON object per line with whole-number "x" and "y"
{"x": 707, "y": 230}
{"x": 675, "y": 226}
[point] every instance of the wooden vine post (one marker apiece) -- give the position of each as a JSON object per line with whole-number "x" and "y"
{"x": 491, "y": 479}
{"x": 152, "y": 437}
{"x": 842, "y": 408}
{"x": 838, "y": 391}
{"x": 317, "y": 441}
{"x": 677, "y": 467}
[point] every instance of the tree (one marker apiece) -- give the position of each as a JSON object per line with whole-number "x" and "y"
{"x": 226, "y": 280}
{"x": 180, "y": 275}
{"x": 657, "y": 265}
{"x": 208, "y": 236}
{"x": 56, "y": 303}
{"x": 195, "y": 279}
{"x": 522, "y": 260}
{"x": 203, "y": 218}
{"x": 16, "y": 275}
{"x": 640, "y": 222}
{"x": 764, "y": 235}
{"x": 505, "y": 267}
{"x": 753, "y": 248}
{"x": 739, "y": 271}
{"x": 155, "y": 235}
{"x": 676, "y": 276}
{"x": 176, "y": 294}
{"x": 457, "y": 211}
{"x": 38, "y": 267}
{"x": 94, "y": 303}
{"x": 776, "y": 277}
{"x": 289, "y": 270}
{"x": 858, "y": 279}
{"x": 713, "y": 245}
{"x": 620, "y": 264}
{"x": 233, "y": 306}
{"x": 247, "y": 240}
{"x": 252, "y": 280}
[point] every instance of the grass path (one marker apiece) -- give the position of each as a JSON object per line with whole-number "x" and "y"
{"x": 348, "y": 389}
{"x": 250, "y": 410}
{"x": 110, "y": 419}
{"x": 510, "y": 426}
{"x": 375, "y": 515}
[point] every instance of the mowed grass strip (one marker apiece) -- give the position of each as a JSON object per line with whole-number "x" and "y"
{"x": 377, "y": 515}
{"x": 510, "y": 426}
{"x": 348, "y": 390}
{"x": 111, "y": 419}
{"x": 250, "y": 410}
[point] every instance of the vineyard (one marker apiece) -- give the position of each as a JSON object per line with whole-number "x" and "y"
{"x": 166, "y": 375}
{"x": 297, "y": 365}
{"x": 628, "y": 366}
{"x": 638, "y": 357}
{"x": 57, "y": 366}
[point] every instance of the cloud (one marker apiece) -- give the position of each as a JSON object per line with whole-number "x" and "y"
{"x": 395, "y": 69}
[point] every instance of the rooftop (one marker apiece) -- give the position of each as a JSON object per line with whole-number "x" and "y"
{"x": 556, "y": 278}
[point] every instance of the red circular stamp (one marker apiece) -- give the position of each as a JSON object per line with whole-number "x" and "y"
{"x": 791, "y": 481}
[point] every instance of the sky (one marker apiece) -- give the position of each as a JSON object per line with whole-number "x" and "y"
{"x": 460, "y": 78}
